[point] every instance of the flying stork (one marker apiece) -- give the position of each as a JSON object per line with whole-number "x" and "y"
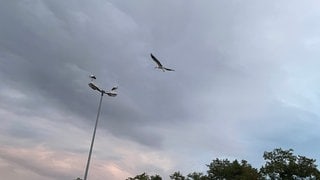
{"x": 160, "y": 66}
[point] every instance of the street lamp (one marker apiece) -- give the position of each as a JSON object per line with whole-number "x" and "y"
{"x": 111, "y": 93}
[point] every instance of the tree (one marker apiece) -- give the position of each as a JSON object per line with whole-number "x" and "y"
{"x": 196, "y": 176}
{"x": 142, "y": 176}
{"x": 280, "y": 164}
{"x": 145, "y": 176}
{"x": 156, "y": 177}
{"x": 283, "y": 164}
{"x": 177, "y": 176}
{"x": 224, "y": 169}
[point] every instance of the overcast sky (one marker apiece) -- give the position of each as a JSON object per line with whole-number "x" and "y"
{"x": 246, "y": 81}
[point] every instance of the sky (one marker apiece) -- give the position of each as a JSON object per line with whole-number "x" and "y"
{"x": 246, "y": 81}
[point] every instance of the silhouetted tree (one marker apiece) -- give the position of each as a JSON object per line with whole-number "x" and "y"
{"x": 224, "y": 169}
{"x": 156, "y": 177}
{"x": 177, "y": 176}
{"x": 142, "y": 176}
{"x": 282, "y": 164}
{"x": 196, "y": 176}
{"x": 145, "y": 176}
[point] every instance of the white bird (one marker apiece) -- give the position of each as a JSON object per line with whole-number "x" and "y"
{"x": 114, "y": 88}
{"x": 92, "y": 77}
{"x": 160, "y": 66}
{"x": 112, "y": 92}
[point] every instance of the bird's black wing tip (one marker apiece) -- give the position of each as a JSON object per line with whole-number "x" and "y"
{"x": 169, "y": 69}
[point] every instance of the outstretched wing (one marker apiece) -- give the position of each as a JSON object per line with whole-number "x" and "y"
{"x": 114, "y": 88}
{"x": 168, "y": 69}
{"x": 156, "y": 60}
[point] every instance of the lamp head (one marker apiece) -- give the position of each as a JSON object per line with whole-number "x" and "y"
{"x": 93, "y": 86}
{"x": 112, "y": 93}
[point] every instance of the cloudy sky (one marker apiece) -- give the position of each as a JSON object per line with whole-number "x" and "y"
{"x": 246, "y": 81}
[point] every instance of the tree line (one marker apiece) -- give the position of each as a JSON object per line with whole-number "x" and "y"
{"x": 279, "y": 165}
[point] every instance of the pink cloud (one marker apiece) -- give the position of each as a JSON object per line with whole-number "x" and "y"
{"x": 57, "y": 164}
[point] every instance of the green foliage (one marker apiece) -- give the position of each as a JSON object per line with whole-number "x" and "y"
{"x": 196, "y": 176}
{"x": 142, "y": 176}
{"x": 145, "y": 176}
{"x": 224, "y": 169}
{"x": 282, "y": 164}
{"x": 156, "y": 177}
{"x": 177, "y": 176}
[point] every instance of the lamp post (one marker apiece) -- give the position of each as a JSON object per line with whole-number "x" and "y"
{"x": 111, "y": 93}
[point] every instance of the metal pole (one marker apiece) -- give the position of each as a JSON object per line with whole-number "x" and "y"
{"x": 92, "y": 141}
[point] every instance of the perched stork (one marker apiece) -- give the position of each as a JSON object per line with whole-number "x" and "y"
{"x": 159, "y": 64}
{"x": 112, "y": 92}
{"x": 114, "y": 88}
{"x": 92, "y": 77}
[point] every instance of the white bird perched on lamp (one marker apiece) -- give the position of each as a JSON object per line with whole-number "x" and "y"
{"x": 111, "y": 93}
{"x": 114, "y": 88}
{"x": 92, "y": 77}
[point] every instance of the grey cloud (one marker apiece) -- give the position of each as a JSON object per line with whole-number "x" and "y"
{"x": 234, "y": 60}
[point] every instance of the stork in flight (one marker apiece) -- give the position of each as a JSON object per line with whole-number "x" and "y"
{"x": 159, "y": 64}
